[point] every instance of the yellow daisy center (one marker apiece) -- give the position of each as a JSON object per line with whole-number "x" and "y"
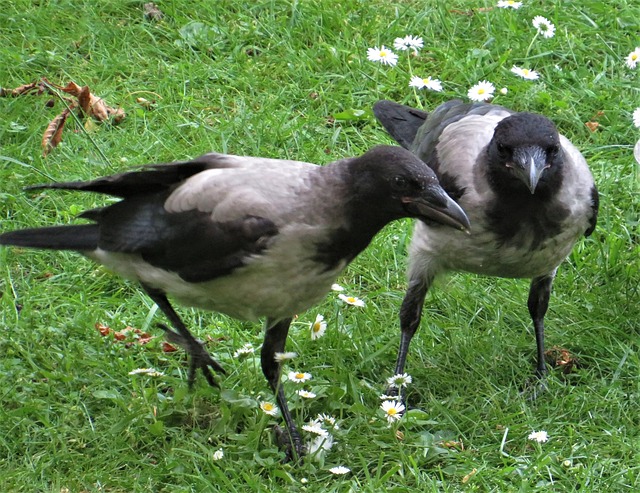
{"x": 316, "y": 327}
{"x": 392, "y": 411}
{"x": 351, "y": 299}
{"x": 299, "y": 376}
{"x": 525, "y": 71}
{"x": 481, "y": 90}
{"x": 634, "y": 56}
{"x": 267, "y": 406}
{"x": 383, "y": 54}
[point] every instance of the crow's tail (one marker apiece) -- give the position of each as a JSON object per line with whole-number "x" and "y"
{"x": 82, "y": 237}
{"x": 402, "y": 122}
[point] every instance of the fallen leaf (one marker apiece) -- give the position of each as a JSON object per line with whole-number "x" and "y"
{"x": 469, "y": 476}
{"x": 103, "y": 329}
{"x": 561, "y": 358}
{"x": 593, "y": 126}
{"x": 120, "y": 336}
{"x": 168, "y": 348}
{"x": 53, "y": 133}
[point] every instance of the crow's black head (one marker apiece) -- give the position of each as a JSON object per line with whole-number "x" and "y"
{"x": 393, "y": 183}
{"x": 525, "y": 155}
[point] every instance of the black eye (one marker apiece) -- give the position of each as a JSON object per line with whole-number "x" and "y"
{"x": 501, "y": 147}
{"x": 400, "y": 182}
{"x": 552, "y": 150}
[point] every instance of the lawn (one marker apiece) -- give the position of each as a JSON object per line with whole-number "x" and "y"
{"x": 291, "y": 79}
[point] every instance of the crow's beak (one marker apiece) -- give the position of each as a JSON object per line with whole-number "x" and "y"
{"x": 435, "y": 205}
{"x": 528, "y": 164}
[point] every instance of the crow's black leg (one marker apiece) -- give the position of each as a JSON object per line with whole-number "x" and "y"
{"x": 538, "y": 303}
{"x": 410, "y": 314}
{"x": 199, "y": 357}
{"x": 274, "y": 342}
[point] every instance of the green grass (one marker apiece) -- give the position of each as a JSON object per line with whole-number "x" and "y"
{"x": 265, "y": 78}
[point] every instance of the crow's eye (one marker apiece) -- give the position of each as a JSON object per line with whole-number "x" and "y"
{"x": 502, "y": 148}
{"x": 553, "y": 150}
{"x": 400, "y": 182}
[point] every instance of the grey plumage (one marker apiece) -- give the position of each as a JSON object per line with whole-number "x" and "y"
{"x": 249, "y": 237}
{"x": 527, "y": 190}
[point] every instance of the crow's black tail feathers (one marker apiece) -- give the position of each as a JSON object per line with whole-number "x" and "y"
{"x": 82, "y": 237}
{"x": 402, "y": 122}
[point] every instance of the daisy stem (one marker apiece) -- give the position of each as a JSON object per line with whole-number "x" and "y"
{"x": 533, "y": 40}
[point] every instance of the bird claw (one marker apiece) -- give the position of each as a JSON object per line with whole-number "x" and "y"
{"x": 292, "y": 445}
{"x": 534, "y": 387}
{"x": 199, "y": 357}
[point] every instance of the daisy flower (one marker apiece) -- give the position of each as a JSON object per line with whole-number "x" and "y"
{"x": 636, "y": 117}
{"x": 539, "y": 436}
{"x": 320, "y": 445}
{"x": 428, "y": 82}
{"x": 318, "y": 328}
{"x": 506, "y": 4}
{"x": 385, "y": 397}
{"x": 383, "y": 55}
{"x": 408, "y": 42}
{"x": 393, "y": 410}
{"x": 218, "y": 454}
{"x": 280, "y": 357}
{"x": 340, "y": 470}
{"x": 299, "y": 377}
{"x": 399, "y": 380}
{"x": 633, "y": 58}
{"x": 482, "y": 91}
{"x": 246, "y": 349}
{"x": 504, "y": 90}
{"x": 316, "y": 429}
{"x": 351, "y": 300}
{"x": 544, "y": 26}
{"x": 146, "y": 371}
{"x": 326, "y": 419}
{"x": 525, "y": 73}
{"x": 269, "y": 408}
{"x": 336, "y": 287}
{"x": 306, "y": 394}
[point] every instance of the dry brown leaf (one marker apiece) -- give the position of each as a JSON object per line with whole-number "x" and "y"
{"x": 168, "y": 348}
{"x": 469, "y": 476}
{"x": 18, "y": 91}
{"x": 560, "y": 357}
{"x": 53, "y": 134}
{"x": 103, "y": 329}
{"x": 593, "y": 126}
{"x": 71, "y": 88}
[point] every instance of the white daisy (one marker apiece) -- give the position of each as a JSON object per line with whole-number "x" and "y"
{"x": 246, "y": 349}
{"x": 504, "y": 90}
{"x": 383, "y": 55}
{"x": 482, "y": 91}
{"x": 351, "y": 300}
{"x": 151, "y": 372}
{"x": 636, "y": 117}
{"x": 218, "y": 454}
{"x": 318, "y": 327}
{"x": 320, "y": 445}
{"x": 393, "y": 410}
{"x": 269, "y": 408}
{"x": 633, "y": 58}
{"x": 426, "y": 82}
{"x": 399, "y": 380}
{"x": 299, "y": 377}
{"x": 316, "y": 429}
{"x": 385, "y": 397}
{"x": 336, "y": 287}
{"x": 539, "y": 436}
{"x": 306, "y": 394}
{"x": 280, "y": 357}
{"x": 408, "y": 42}
{"x": 506, "y": 4}
{"x": 326, "y": 419}
{"x": 340, "y": 470}
{"x": 544, "y": 26}
{"x": 525, "y": 73}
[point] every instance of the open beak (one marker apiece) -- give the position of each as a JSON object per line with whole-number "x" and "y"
{"x": 435, "y": 205}
{"x": 528, "y": 164}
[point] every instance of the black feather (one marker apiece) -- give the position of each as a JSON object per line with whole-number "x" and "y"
{"x": 83, "y": 237}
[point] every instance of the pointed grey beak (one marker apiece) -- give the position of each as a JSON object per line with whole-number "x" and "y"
{"x": 435, "y": 205}
{"x": 529, "y": 163}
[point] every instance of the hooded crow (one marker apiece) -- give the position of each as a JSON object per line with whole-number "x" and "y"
{"x": 527, "y": 190}
{"x": 246, "y": 236}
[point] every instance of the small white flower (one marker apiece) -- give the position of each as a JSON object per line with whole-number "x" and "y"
{"x": 151, "y": 372}
{"x": 506, "y": 4}
{"x": 383, "y": 55}
{"x": 351, "y": 300}
{"x": 218, "y": 454}
{"x": 544, "y": 26}
{"x": 340, "y": 470}
{"x": 316, "y": 429}
{"x": 408, "y": 42}
{"x": 504, "y": 90}
{"x": 244, "y": 350}
{"x": 326, "y": 420}
{"x": 299, "y": 377}
{"x": 633, "y": 58}
{"x": 320, "y": 445}
{"x": 539, "y": 436}
{"x": 393, "y": 410}
{"x": 525, "y": 73}
{"x": 318, "y": 327}
{"x": 336, "y": 287}
{"x": 399, "y": 380}
{"x": 482, "y": 91}
{"x": 427, "y": 82}
{"x": 306, "y": 394}
{"x": 269, "y": 408}
{"x": 636, "y": 117}
{"x": 385, "y": 397}
{"x": 280, "y": 357}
